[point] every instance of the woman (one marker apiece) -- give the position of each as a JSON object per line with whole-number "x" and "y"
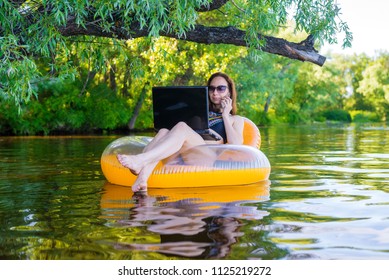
{"x": 223, "y": 121}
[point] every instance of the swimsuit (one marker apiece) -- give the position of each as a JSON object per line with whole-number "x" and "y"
{"x": 216, "y": 123}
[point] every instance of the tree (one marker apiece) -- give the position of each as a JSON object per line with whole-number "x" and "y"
{"x": 375, "y": 85}
{"x": 263, "y": 85}
{"x": 353, "y": 67}
{"x": 317, "y": 90}
{"x": 41, "y": 28}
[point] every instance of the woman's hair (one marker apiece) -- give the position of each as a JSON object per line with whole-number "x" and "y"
{"x": 231, "y": 88}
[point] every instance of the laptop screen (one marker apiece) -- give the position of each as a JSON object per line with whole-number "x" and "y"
{"x": 174, "y": 104}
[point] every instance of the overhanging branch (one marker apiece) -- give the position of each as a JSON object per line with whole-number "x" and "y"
{"x": 303, "y": 51}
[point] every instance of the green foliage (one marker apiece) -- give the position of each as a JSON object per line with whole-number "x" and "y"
{"x": 337, "y": 115}
{"x": 266, "y": 82}
{"x": 262, "y": 119}
{"x": 353, "y": 68}
{"x": 364, "y": 116}
{"x": 86, "y": 84}
{"x": 110, "y": 84}
{"x": 322, "y": 23}
{"x": 61, "y": 108}
{"x": 368, "y": 83}
{"x": 317, "y": 89}
{"x": 18, "y": 80}
{"x": 34, "y": 29}
{"x": 375, "y": 84}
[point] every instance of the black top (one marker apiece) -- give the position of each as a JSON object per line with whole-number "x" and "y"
{"x": 217, "y": 124}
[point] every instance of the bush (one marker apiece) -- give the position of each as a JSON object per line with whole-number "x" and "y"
{"x": 262, "y": 119}
{"x": 62, "y": 109}
{"x": 337, "y": 115}
{"x": 319, "y": 118}
{"x": 293, "y": 117}
{"x": 364, "y": 117}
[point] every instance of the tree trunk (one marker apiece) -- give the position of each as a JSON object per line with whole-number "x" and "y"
{"x": 138, "y": 107}
{"x": 112, "y": 77}
{"x": 89, "y": 78}
{"x": 126, "y": 81}
{"x": 267, "y": 104}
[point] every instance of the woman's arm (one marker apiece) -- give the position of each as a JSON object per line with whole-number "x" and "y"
{"x": 234, "y": 129}
{"x": 233, "y": 124}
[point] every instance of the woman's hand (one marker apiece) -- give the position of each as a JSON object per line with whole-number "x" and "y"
{"x": 220, "y": 141}
{"x": 226, "y": 105}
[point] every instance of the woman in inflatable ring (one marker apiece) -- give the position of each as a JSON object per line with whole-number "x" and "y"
{"x": 167, "y": 143}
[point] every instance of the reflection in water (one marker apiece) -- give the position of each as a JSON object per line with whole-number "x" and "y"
{"x": 330, "y": 191}
{"x": 197, "y": 222}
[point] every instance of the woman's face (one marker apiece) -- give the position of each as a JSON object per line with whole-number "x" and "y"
{"x": 217, "y": 90}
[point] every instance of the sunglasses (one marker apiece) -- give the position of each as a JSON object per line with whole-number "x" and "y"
{"x": 220, "y": 89}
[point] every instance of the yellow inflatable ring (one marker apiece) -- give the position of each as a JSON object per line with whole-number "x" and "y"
{"x": 206, "y": 165}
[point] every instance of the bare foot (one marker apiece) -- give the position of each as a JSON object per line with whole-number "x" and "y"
{"x": 140, "y": 185}
{"x": 143, "y": 177}
{"x": 131, "y": 162}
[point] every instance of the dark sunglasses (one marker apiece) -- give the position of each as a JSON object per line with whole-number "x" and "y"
{"x": 220, "y": 89}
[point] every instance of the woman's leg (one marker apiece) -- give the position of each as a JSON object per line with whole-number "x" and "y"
{"x": 161, "y": 133}
{"x": 141, "y": 181}
{"x": 180, "y": 136}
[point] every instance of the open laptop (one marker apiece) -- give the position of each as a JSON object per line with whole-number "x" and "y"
{"x": 189, "y": 104}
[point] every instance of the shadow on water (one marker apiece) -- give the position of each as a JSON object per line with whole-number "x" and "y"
{"x": 194, "y": 223}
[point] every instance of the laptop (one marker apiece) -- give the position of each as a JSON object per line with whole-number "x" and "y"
{"x": 189, "y": 104}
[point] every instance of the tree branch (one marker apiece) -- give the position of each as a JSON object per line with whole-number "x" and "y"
{"x": 303, "y": 51}
{"x": 216, "y": 4}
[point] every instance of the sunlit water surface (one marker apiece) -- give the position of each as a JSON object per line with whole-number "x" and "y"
{"x": 327, "y": 198}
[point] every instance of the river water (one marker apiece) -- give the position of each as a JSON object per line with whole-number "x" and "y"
{"x": 327, "y": 198}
